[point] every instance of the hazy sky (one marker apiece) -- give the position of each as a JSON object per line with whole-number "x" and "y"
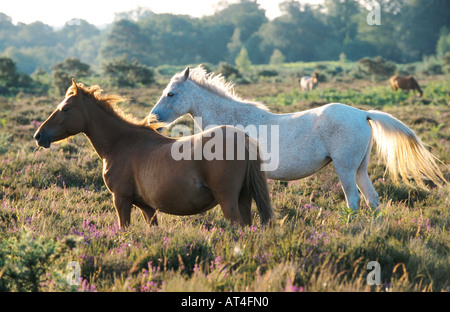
{"x": 99, "y": 12}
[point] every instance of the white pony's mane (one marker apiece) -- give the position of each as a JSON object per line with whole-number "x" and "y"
{"x": 218, "y": 85}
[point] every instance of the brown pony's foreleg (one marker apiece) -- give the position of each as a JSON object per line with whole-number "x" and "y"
{"x": 123, "y": 209}
{"x": 148, "y": 213}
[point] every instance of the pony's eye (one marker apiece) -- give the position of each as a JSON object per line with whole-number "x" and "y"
{"x": 170, "y": 94}
{"x": 65, "y": 109}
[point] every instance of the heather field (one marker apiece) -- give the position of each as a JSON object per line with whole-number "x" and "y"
{"x": 57, "y": 217}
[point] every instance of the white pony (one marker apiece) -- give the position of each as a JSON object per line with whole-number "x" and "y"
{"x": 310, "y": 139}
{"x": 308, "y": 83}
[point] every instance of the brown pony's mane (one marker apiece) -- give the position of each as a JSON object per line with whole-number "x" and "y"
{"x": 109, "y": 102}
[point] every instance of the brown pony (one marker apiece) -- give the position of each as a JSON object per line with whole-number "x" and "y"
{"x": 405, "y": 83}
{"x": 139, "y": 168}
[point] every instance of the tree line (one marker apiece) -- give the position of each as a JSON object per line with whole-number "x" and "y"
{"x": 410, "y": 30}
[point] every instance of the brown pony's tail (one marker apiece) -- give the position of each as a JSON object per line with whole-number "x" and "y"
{"x": 256, "y": 183}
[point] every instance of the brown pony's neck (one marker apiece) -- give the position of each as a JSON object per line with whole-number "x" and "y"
{"x": 108, "y": 131}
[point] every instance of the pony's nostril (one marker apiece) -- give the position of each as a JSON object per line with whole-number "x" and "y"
{"x": 37, "y": 136}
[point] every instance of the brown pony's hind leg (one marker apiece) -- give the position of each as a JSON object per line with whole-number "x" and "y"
{"x": 231, "y": 211}
{"x": 245, "y": 207}
{"x": 228, "y": 201}
{"x": 225, "y": 181}
{"x": 123, "y": 209}
{"x": 148, "y": 212}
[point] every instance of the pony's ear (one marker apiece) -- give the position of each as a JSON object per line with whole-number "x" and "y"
{"x": 186, "y": 74}
{"x": 74, "y": 87}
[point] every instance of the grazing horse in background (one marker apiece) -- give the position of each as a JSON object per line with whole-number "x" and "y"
{"x": 308, "y": 83}
{"x": 307, "y": 140}
{"x": 405, "y": 83}
{"x": 139, "y": 167}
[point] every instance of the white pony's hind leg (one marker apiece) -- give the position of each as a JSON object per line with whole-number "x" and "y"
{"x": 364, "y": 183}
{"x": 347, "y": 176}
{"x": 351, "y": 166}
{"x": 350, "y": 159}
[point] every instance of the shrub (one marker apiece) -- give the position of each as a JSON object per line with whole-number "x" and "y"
{"x": 11, "y": 81}
{"x": 229, "y": 71}
{"x": 267, "y": 73}
{"x": 378, "y": 66}
{"x": 63, "y": 72}
{"x": 25, "y": 260}
{"x": 124, "y": 73}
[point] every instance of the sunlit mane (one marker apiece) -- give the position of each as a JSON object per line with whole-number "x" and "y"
{"x": 109, "y": 103}
{"x": 217, "y": 84}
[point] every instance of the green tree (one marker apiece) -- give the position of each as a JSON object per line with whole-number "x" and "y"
{"x": 299, "y": 34}
{"x": 246, "y": 15}
{"x": 7, "y": 31}
{"x": 420, "y": 22}
{"x": 76, "y": 30}
{"x": 126, "y": 38}
{"x": 443, "y": 44}
{"x": 342, "y": 18}
{"x": 277, "y": 57}
{"x": 235, "y": 44}
{"x": 172, "y": 39}
{"x": 243, "y": 62}
{"x": 36, "y": 34}
{"x": 81, "y": 40}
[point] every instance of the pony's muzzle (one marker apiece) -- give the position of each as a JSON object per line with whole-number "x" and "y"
{"x": 42, "y": 139}
{"x": 158, "y": 115}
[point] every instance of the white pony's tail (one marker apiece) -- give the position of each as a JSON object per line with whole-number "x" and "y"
{"x": 403, "y": 152}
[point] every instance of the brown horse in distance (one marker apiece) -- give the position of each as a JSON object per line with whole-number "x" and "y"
{"x": 405, "y": 83}
{"x": 139, "y": 168}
